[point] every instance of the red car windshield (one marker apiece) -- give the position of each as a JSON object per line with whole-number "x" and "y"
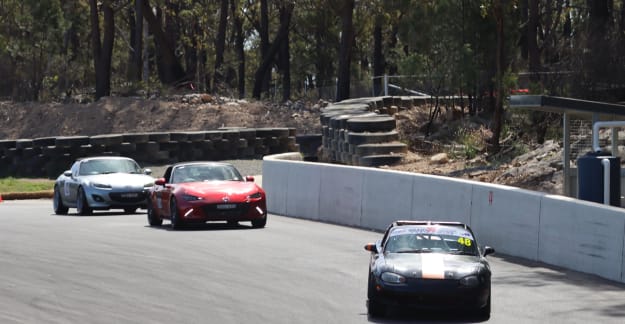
{"x": 204, "y": 172}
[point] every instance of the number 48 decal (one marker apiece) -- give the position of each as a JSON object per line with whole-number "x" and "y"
{"x": 465, "y": 241}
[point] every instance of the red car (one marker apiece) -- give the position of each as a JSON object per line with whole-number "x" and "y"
{"x": 198, "y": 192}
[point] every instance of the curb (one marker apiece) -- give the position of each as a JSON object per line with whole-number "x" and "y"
{"x": 27, "y": 195}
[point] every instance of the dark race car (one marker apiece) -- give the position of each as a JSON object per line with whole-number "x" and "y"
{"x": 431, "y": 266}
{"x": 198, "y": 192}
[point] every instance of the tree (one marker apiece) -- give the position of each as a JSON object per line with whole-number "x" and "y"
{"x": 220, "y": 43}
{"x": 102, "y": 48}
{"x": 171, "y": 71}
{"x": 346, "y": 11}
{"x": 268, "y": 58}
{"x": 135, "y": 57}
{"x": 239, "y": 47}
{"x": 31, "y": 42}
{"x": 498, "y": 12}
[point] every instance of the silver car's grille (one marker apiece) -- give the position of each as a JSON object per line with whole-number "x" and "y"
{"x": 128, "y": 197}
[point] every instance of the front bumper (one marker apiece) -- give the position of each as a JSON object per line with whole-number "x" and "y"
{"x": 432, "y": 294}
{"x": 242, "y": 211}
{"x": 110, "y": 199}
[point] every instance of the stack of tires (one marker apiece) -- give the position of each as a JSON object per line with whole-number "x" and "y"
{"x": 353, "y": 133}
{"x": 50, "y": 156}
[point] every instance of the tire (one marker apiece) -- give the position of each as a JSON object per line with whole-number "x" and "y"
{"x": 57, "y": 203}
{"x": 371, "y": 138}
{"x": 82, "y": 206}
{"x": 374, "y": 308}
{"x": 380, "y": 149}
{"x": 259, "y": 223}
{"x": 130, "y": 210}
{"x": 176, "y": 224}
{"x": 153, "y": 218}
{"x": 484, "y": 312}
{"x": 71, "y": 141}
{"x": 378, "y": 160}
{"x": 372, "y": 124}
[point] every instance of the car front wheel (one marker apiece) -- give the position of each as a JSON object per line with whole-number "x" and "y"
{"x": 484, "y": 312}
{"x": 82, "y": 206}
{"x": 57, "y": 203}
{"x": 259, "y": 223}
{"x": 176, "y": 223}
{"x": 374, "y": 308}
{"x": 153, "y": 218}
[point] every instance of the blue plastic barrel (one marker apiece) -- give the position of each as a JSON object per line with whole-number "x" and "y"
{"x": 590, "y": 178}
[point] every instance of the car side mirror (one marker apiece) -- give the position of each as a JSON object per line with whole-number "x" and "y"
{"x": 160, "y": 182}
{"x": 371, "y": 247}
{"x": 249, "y": 179}
{"x": 67, "y": 173}
{"x": 488, "y": 250}
{"x": 147, "y": 171}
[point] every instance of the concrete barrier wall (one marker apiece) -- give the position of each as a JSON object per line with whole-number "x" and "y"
{"x": 556, "y": 230}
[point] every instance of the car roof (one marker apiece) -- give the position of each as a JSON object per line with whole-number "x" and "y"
{"x": 104, "y": 157}
{"x": 201, "y": 163}
{"x": 428, "y": 223}
{"x": 418, "y": 223}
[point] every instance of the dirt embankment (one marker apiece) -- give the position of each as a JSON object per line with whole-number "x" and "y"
{"x": 112, "y": 115}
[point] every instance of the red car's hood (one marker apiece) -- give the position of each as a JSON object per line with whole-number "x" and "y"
{"x": 215, "y": 191}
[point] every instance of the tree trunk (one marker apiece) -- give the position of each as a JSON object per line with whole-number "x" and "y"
{"x": 532, "y": 41}
{"x": 264, "y": 40}
{"x": 378, "y": 58}
{"x": 135, "y": 20}
{"x": 533, "y": 53}
{"x": 170, "y": 69}
{"x": 285, "y": 58}
{"x": 268, "y": 59}
{"x": 220, "y": 44}
{"x": 597, "y": 58}
{"x": 345, "y": 52}
{"x": 102, "y": 51}
{"x": 239, "y": 48}
{"x": 498, "y": 115}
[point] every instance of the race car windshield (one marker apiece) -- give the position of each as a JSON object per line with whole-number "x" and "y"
{"x": 107, "y": 166}
{"x": 205, "y": 172}
{"x": 430, "y": 243}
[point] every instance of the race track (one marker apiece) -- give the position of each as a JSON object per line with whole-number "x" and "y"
{"x": 113, "y": 268}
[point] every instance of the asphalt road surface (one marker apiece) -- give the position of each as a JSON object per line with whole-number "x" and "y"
{"x": 113, "y": 268}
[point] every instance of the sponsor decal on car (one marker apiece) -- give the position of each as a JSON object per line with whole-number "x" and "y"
{"x": 440, "y": 230}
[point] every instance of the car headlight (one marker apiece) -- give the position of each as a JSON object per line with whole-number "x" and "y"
{"x": 101, "y": 185}
{"x": 393, "y": 278}
{"x": 470, "y": 281}
{"x": 188, "y": 197}
{"x": 255, "y": 196}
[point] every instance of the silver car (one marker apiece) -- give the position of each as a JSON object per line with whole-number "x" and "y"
{"x": 102, "y": 183}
